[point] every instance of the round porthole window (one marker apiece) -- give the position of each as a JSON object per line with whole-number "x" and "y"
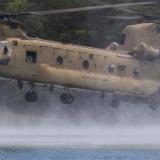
{"x": 111, "y": 68}
{"x": 136, "y": 72}
{"x": 85, "y": 64}
{"x": 59, "y": 60}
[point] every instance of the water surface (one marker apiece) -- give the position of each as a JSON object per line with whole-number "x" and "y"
{"x": 79, "y": 154}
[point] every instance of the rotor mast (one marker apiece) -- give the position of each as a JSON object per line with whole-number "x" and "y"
{"x": 11, "y": 29}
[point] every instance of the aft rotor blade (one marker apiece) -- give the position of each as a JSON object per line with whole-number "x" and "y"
{"x": 124, "y": 17}
{"x": 142, "y": 15}
{"x": 128, "y": 10}
{"x": 71, "y": 10}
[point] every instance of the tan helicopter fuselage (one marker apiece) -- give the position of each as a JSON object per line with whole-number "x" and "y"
{"x": 53, "y": 63}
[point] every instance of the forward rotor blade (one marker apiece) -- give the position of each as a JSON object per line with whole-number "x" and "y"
{"x": 4, "y": 14}
{"x": 71, "y": 10}
{"x": 124, "y": 17}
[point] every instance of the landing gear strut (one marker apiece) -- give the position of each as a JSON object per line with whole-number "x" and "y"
{"x": 20, "y": 84}
{"x": 66, "y": 98}
{"x": 153, "y": 103}
{"x": 31, "y": 96}
{"x": 115, "y": 103}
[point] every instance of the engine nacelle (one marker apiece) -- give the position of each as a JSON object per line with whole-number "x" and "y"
{"x": 143, "y": 51}
{"x": 148, "y": 33}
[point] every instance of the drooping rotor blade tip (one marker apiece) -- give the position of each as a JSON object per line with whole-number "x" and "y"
{"x": 71, "y": 10}
{"x": 123, "y": 17}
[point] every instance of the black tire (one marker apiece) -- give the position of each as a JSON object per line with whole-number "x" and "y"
{"x": 66, "y": 98}
{"x": 31, "y": 96}
{"x": 153, "y": 106}
{"x": 115, "y": 103}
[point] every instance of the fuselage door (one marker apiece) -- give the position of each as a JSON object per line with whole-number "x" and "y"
{"x": 28, "y": 62}
{"x": 31, "y": 60}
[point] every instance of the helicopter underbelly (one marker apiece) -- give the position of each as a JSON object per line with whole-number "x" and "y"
{"x": 97, "y": 81}
{"x": 89, "y": 81}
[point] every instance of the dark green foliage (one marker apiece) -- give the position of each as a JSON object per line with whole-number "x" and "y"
{"x": 17, "y": 5}
{"x": 86, "y": 28}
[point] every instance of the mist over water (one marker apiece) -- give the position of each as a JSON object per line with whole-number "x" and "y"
{"x": 88, "y": 122}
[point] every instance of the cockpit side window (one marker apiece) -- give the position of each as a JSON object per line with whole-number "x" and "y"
{"x": 5, "y": 49}
{"x": 5, "y": 53}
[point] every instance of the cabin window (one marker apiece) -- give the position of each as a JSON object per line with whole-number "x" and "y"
{"x": 85, "y": 64}
{"x": 111, "y": 68}
{"x": 31, "y": 56}
{"x": 121, "y": 67}
{"x": 60, "y": 60}
{"x": 136, "y": 72}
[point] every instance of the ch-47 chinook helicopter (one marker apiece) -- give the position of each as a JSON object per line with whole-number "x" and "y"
{"x": 128, "y": 71}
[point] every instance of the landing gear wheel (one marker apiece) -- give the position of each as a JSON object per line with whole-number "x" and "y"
{"x": 31, "y": 96}
{"x": 153, "y": 106}
{"x": 66, "y": 98}
{"x": 115, "y": 103}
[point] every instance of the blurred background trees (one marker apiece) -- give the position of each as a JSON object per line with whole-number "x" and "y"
{"x": 90, "y": 28}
